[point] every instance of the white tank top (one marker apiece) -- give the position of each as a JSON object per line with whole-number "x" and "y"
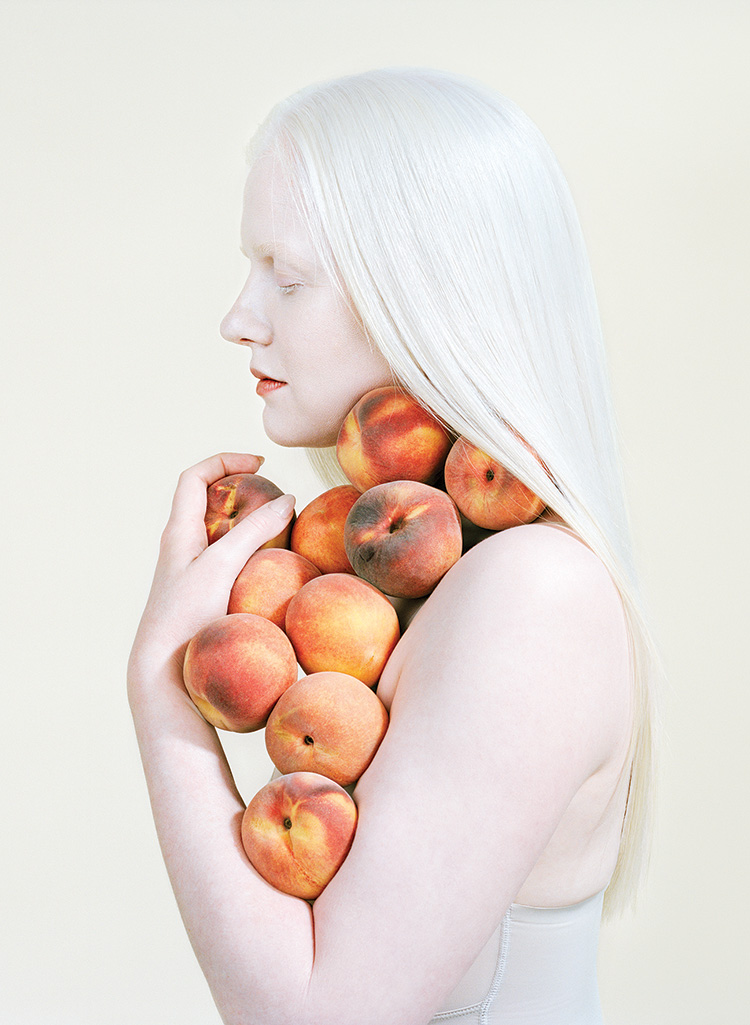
{"x": 538, "y": 968}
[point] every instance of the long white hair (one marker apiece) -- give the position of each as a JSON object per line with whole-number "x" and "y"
{"x": 438, "y": 208}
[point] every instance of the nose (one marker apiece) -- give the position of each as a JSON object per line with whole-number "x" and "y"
{"x": 244, "y": 324}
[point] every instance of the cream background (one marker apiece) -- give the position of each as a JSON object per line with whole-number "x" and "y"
{"x": 123, "y": 127}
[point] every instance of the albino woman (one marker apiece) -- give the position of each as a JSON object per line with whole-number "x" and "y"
{"x": 412, "y": 226}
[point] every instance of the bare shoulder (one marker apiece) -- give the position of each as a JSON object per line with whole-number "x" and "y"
{"x": 533, "y": 570}
{"x": 535, "y": 555}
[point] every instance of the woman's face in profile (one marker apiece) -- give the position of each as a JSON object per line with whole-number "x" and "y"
{"x": 310, "y": 353}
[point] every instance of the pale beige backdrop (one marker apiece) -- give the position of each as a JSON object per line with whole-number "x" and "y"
{"x": 123, "y": 128}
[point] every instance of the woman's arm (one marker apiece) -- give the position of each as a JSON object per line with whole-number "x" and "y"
{"x": 502, "y": 711}
{"x": 196, "y": 806}
{"x": 254, "y": 943}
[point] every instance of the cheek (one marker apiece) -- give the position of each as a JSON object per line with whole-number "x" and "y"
{"x": 331, "y": 370}
{"x": 335, "y": 376}
{"x": 352, "y": 381}
{"x": 350, "y": 353}
{"x": 365, "y": 369}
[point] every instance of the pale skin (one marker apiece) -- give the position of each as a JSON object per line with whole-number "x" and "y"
{"x": 501, "y": 778}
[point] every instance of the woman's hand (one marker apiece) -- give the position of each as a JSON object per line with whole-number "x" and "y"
{"x": 193, "y": 579}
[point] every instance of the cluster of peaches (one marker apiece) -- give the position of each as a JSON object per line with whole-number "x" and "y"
{"x": 316, "y": 597}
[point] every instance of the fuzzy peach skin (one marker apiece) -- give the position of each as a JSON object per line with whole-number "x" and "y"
{"x": 403, "y": 537}
{"x": 297, "y": 830}
{"x": 235, "y": 670}
{"x": 330, "y": 723}
{"x": 340, "y": 623}
{"x": 268, "y": 581}
{"x": 488, "y": 494}
{"x": 318, "y": 531}
{"x": 232, "y": 498}
{"x": 388, "y": 436}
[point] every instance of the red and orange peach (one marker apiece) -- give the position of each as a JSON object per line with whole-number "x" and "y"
{"x": 232, "y": 498}
{"x": 403, "y": 537}
{"x": 268, "y": 581}
{"x": 488, "y": 494}
{"x": 235, "y": 670}
{"x": 330, "y": 723}
{"x": 318, "y": 531}
{"x": 297, "y": 831}
{"x": 340, "y": 623}
{"x": 389, "y": 435}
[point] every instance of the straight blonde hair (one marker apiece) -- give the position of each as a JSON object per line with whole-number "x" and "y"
{"x": 440, "y": 211}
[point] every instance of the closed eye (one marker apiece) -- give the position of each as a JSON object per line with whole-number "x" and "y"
{"x": 288, "y": 289}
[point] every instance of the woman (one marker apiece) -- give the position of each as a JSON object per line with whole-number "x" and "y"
{"x": 411, "y": 226}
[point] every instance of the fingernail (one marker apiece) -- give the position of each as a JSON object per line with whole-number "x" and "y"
{"x": 261, "y": 459}
{"x": 283, "y": 505}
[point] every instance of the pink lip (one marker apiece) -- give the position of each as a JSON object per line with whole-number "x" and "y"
{"x": 267, "y": 384}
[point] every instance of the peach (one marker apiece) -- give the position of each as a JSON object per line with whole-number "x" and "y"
{"x": 403, "y": 537}
{"x": 387, "y": 436}
{"x": 318, "y": 531}
{"x": 329, "y": 723}
{"x": 340, "y": 623}
{"x": 488, "y": 494}
{"x": 297, "y": 830}
{"x": 235, "y": 670}
{"x": 268, "y": 581}
{"x": 232, "y": 498}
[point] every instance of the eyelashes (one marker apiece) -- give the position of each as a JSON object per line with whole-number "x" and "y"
{"x": 288, "y": 289}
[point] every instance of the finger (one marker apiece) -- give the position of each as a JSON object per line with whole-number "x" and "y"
{"x": 190, "y": 494}
{"x": 229, "y": 553}
{"x": 185, "y": 524}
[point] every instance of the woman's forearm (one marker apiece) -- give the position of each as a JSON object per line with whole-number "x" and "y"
{"x": 254, "y": 943}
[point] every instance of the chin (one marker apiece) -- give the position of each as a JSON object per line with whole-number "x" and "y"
{"x": 289, "y": 435}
